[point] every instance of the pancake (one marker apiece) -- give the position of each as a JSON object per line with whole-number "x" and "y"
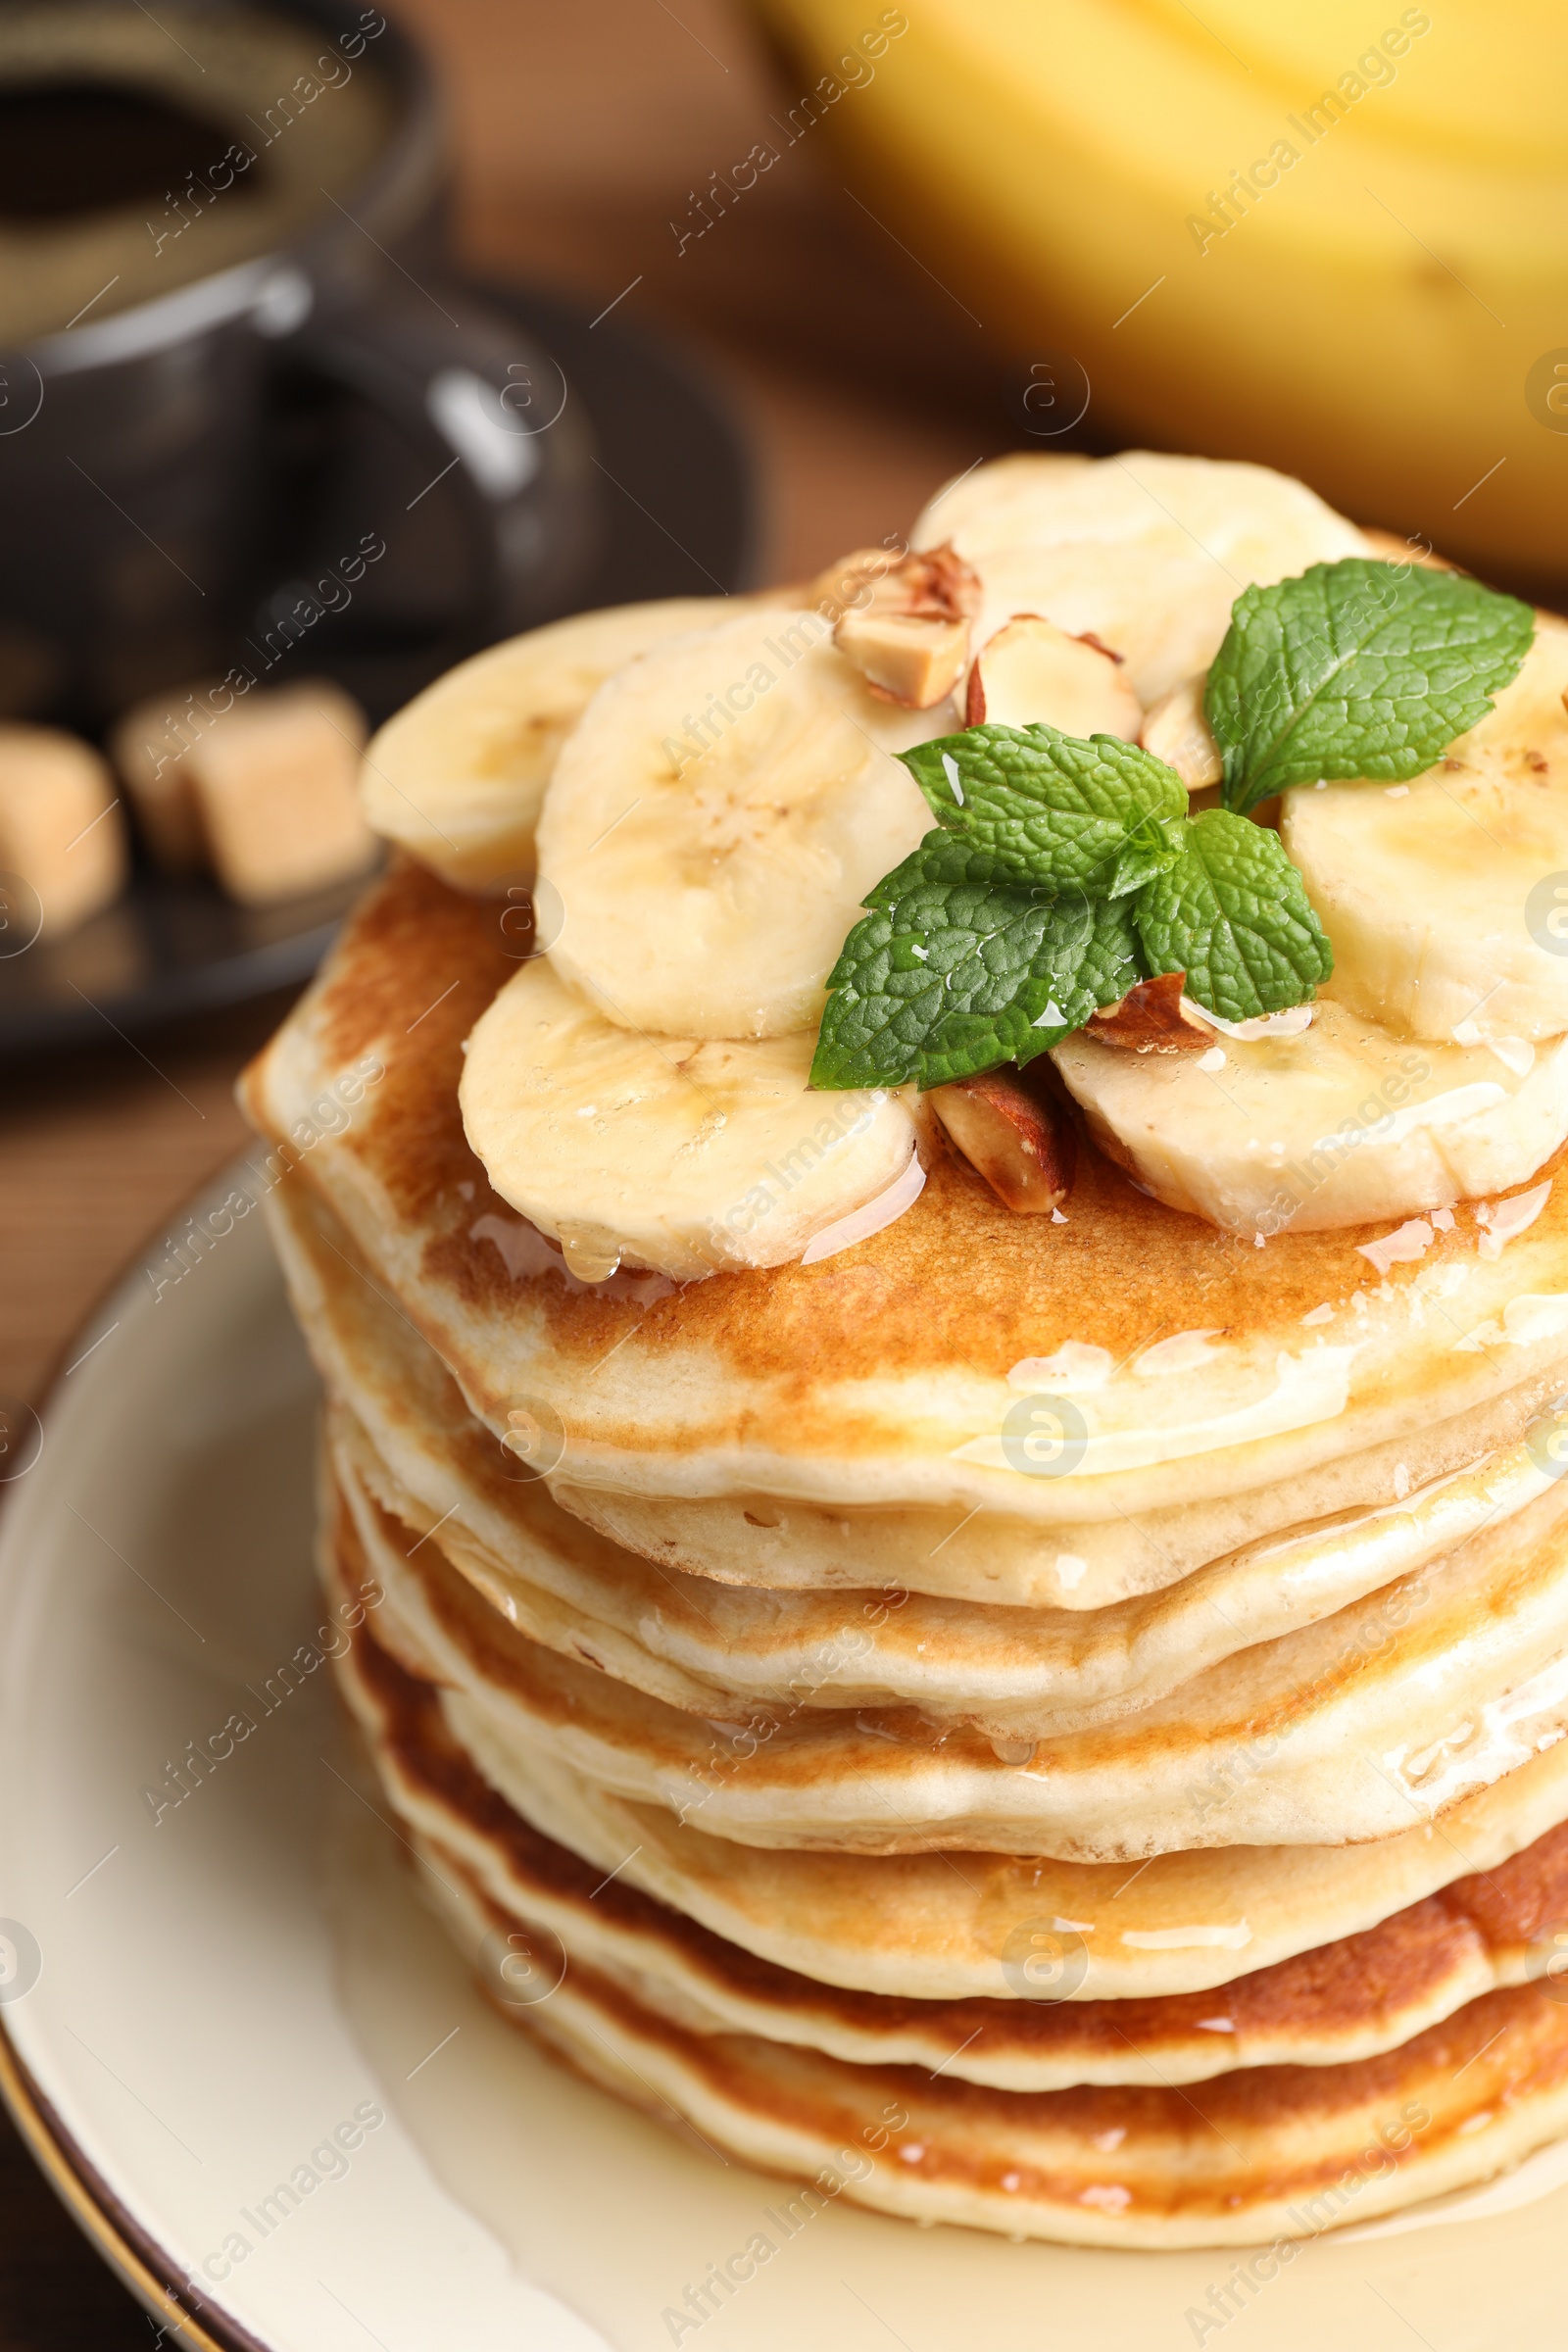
{"x": 1261, "y": 2153}
{"x": 1388, "y": 1712}
{"x": 1346, "y": 2001}
{"x": 789, "y": 1544}
{"x": 883, "y": 1376}
{"x": 1277, "y": 2152}
{"x": 1005, "y": 1672}
{"x": 949, "y": 1925}
{"x": 952, "y": 1925}
{"x": 779, "y": 1542}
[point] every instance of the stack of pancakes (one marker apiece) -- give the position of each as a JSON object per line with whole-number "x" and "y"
{"x": 1154, "y": 1839}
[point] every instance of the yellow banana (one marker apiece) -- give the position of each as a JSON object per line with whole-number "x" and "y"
{"x": 1315, "y": 236}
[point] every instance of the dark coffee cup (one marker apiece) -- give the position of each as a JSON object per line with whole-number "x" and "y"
{"x": 180, "y": 456}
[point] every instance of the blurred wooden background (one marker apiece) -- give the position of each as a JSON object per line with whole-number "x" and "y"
{"x": 581, "y": 133}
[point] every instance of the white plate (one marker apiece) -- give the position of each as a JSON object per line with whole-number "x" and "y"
{"x": 217, "y": 1989}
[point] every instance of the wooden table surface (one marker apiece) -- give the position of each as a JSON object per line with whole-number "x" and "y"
{"x": 581, "y": 131}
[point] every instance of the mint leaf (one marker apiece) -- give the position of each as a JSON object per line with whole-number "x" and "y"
{"x": 1113, "y": 959}
{"x": 1357, "y": 670}
{"x": 1099, "y": 815}
{"x": 960, "y": 965}
{"x": 1232, "y": 913}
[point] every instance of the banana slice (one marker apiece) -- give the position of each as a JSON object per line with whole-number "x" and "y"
{"x": 1342, "y": 1124}
{"x": 1147, "y": 553}
{"x": 1247, "y": 516}
{"x": 1177, "y": 731}
{"x": 1447, "y": 899}
{"x": 459, "y": 776}
{"x": 677, "y": 1154}
{"x": 1011, "y": 502}
{"x": 714, "y": 821}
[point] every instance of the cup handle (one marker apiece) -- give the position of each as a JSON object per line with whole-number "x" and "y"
{"x": 503, "y": 435}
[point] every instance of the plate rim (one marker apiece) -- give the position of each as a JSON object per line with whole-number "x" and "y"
{"x": 130, "y": 2252}
{"x": 135, "y": 2256}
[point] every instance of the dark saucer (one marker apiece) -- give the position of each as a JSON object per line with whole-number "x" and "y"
{"x": 679, "y": 518}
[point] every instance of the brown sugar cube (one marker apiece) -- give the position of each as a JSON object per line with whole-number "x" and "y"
{"x": 61, "y": 827}
{"x": 275, "y": 786}
{"x": 148, "y": 747}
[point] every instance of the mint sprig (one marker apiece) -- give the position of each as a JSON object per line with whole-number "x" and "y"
{"x": 1060, "y": 872}
{"x": 1357, "y": 670}
{"x": 960, "y": 965}
{"x": 1233, "y": 915}
{"x": 1063, "y": 871}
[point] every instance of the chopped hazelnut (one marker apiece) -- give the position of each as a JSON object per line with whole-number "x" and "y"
{"x": 1152, "y": 1017}
{"x": 905, "y": 658}
{"x": 1015, "y": 1135}
{"x": 906, "y": 627}
{"x": 1032, "y": 670}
